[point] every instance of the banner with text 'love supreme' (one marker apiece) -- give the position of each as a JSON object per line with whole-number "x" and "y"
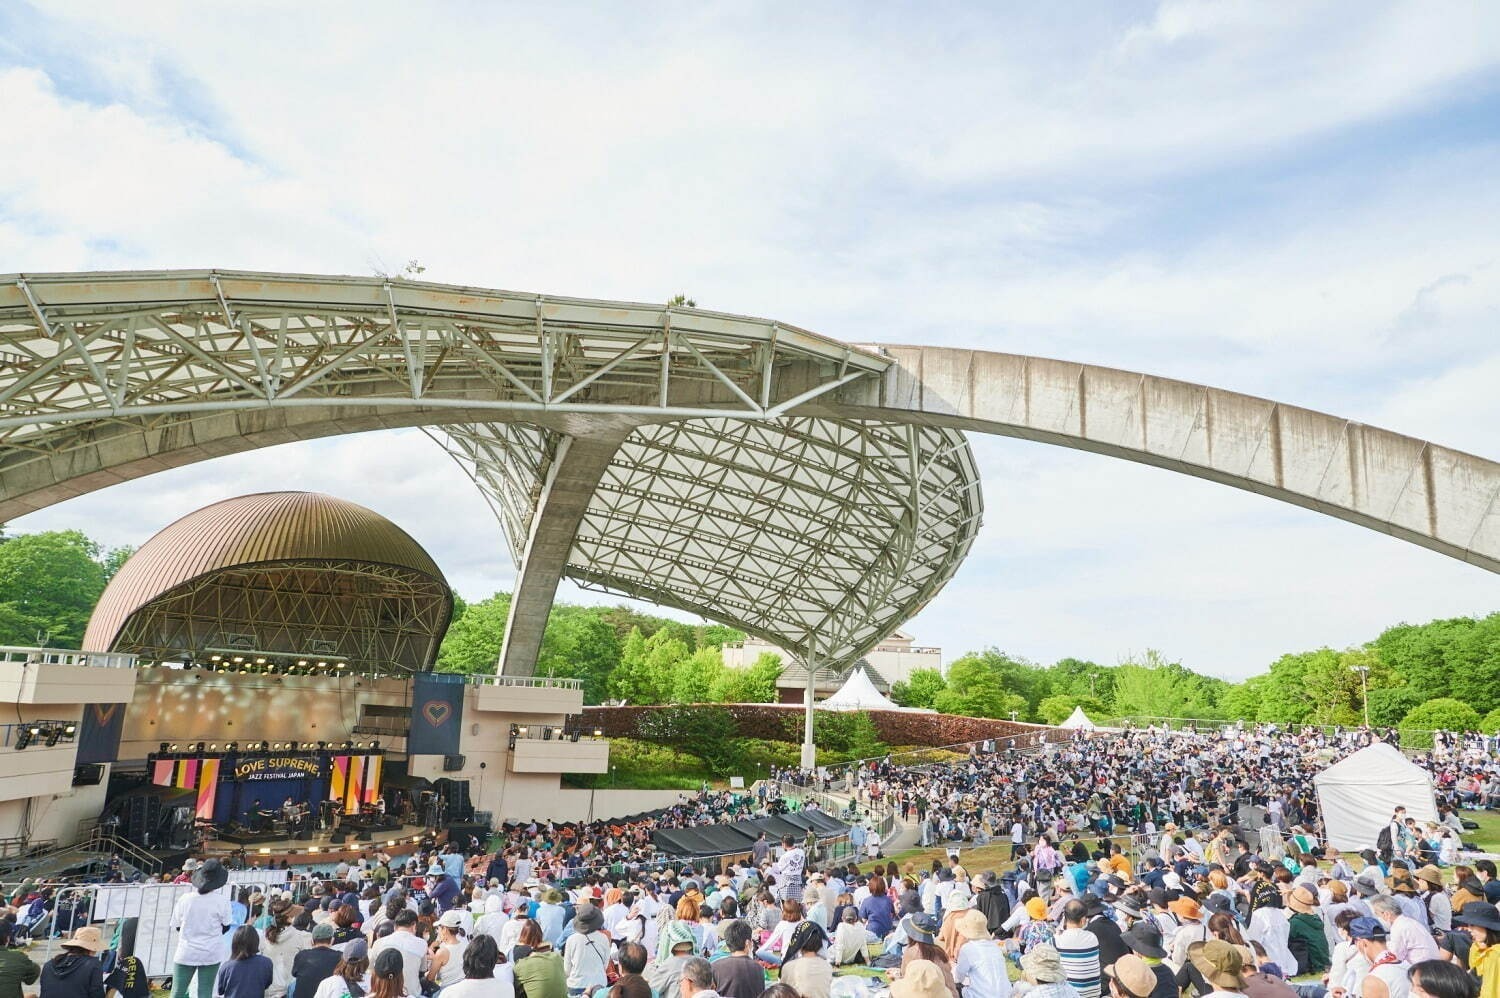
{"x": 437, "y": 702}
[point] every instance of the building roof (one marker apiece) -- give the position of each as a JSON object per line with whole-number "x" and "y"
{"x": 265, "y": 529}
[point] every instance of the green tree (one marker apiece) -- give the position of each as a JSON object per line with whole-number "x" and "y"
{"x": 920, "y": 689}
{"x": 644, "y": 675}
{"x": 1058, "y": 707}
{"x": 579, "y": 644}
{"x": 710, "y": 733}
{"x": 54, "y": 578}
{"x": 1153, "y": 686}
{"x": 694, "y": 677}
{"x": 116, "y": 558}
{"x": 472, "y": 644}
{"x": 1388, "y": 706}
{"x": 1491, "y": 723}
{"x": 1241, "y": 701}
{"x": 1443, "y": 713}
{"x": 753, "y": 684}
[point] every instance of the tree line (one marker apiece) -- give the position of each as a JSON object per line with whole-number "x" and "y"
{"x": 1442, "y": 674}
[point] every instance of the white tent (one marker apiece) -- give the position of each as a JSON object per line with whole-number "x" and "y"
{"x": 1078, "y": 719}
{"x": 859, "y": 693}
{"x": 1357, "y": 795}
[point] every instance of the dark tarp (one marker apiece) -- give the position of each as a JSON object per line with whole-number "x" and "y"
{"x": 714, "y": 840}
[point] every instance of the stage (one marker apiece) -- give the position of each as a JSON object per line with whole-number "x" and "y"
{"x": 320, "y": 847}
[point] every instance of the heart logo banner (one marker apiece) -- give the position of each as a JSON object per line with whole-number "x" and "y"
{"x": 436, "y": 710}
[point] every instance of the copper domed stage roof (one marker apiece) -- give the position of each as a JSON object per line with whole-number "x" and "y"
{"x": 263, "y": 572}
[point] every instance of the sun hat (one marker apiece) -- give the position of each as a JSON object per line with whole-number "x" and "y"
{"x": 1037, "y": 909}
{"x": 921, "y": 979}
{"x": 1186, "y": 907}
{"x": 1431, "y": 874}
{"x": 959, "y": 900}
{"x": 588, "y": 919}
{"x": 210, "y": 876}
{"x": 678, "y": 934}
{"x": 921, "y": 928}
{"x": 552, "y": 896}
{"x": 1366, "y": 927}
{"x": 452, "y": 919}
{"x": 1132, "y": 974}
{"x": 973, "y": 924}
{"x": 88, "y": 938}
{"x": 1479, "y": 913}
{"x": 1130, "y": 905}
{"x": 1221, "y": 963}
{"x": 1144, "y": 937}
{"x": 1302, "y": 900}
{"x": 1044, "y": 964}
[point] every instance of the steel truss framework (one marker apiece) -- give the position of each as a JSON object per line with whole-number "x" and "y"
{"x": 383, "y": 617}
{"x": 818, "y": 534}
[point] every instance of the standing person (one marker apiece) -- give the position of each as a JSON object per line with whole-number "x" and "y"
{"x": 16, "y": 968}
{"x": 1079, "y": 950}
{"x": 313, "y": 966}
{"x": 201, "y": 919}
{"x": 482, "y": 959}
{"x": 247, "y": 974}
{"x": 76, "y": 972}
{"x": 586, "y": 953}
{"x": 1482, "y": 922}
{"x": 789, "y": 870}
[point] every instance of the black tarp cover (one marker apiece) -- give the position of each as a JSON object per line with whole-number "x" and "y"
{"x": 714, "y": 840}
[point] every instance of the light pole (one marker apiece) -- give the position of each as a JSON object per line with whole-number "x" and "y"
{"x": 1013, "y": 716}
{"x": 1364, "y": 689}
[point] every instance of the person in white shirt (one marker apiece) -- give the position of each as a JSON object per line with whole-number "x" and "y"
{"x": 202, "y": 920}
{"x": 980, "y": 969}
{"x": 494, "y": 919}
{"x": 413, "y": 950}
{"x": 483, "y": 976}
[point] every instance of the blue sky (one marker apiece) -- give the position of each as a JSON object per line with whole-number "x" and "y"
{"x": 1295, "y": 201}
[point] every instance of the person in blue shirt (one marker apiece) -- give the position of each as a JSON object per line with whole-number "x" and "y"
{"x": 441, "y": 888}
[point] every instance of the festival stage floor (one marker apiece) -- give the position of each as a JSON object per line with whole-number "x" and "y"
{"x": 321, "y": 848}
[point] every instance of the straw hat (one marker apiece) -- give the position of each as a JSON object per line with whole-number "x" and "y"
{"x": 1221, "y": 963}
{"x": 1302, "y": 900}
{"x": 1431, "y": 874}
{"x": 89, "y": 939}
{"x": 973, "y": 924}
{"x": 1044, "y": 965}
{"x": 922, "y": 979}
{"x": 959, "y": 900}
{"x": 1132, "y": 974}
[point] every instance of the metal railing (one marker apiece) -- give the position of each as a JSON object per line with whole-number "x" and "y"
{"x": 41, "y": 732}
{"x": 526, "y": 682}
{"x": 63, "y": 656}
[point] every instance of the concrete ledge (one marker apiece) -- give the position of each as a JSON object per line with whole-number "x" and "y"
{"x": 528, "y": 700}
{"x": 57, "y": 684}
{"x": 534, "y": 755}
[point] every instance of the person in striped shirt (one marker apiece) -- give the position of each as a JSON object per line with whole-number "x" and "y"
{"x": 1079, "y": 950}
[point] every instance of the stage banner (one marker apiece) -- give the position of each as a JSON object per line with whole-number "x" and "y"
{"x": 373, "y": 767}
{"x": 208, "y": 788}
{"x": 356, "y": 780}
{"x": 99, "y": 732}
{"x": 277, "y": 768}
{"x": 437, "y": 701}
{"x": 339, "y": 778}
{"x": 161, "y": 772}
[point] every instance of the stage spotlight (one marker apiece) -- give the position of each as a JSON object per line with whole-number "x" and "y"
{"x": 374, "y": 745}
{"x": 322, "y": 665}
{"x": 213, "y": 746}
{"x": 348, "y": 745}
{"x": 232, "y": 747}
{"x": 598, "y": 732}
{"x": 199, "y": 747}
{"x": 238, "y": 659}
{"x": 322, "y": 745}
{"x": 301, "y": 662}
{"x": 52, "y": 735}
{"x": 24, "y": 738}
{"x": 164, "y": 747}
{"x": 70, "y": 731}
{"x": 576, "y": 734}
{"x": 260, "y": 661}
{"x": 216, "y": 658}
{"x": 173, "y": 748}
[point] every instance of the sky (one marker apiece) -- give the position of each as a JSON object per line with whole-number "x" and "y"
{"x": 1296, "y": 201}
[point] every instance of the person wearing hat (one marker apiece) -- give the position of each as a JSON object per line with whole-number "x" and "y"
{"x": 76, "y": 972}
{"x": 281, "y": 942}
{"x": 16, "y": 968}
{"x": 920, "y": 979}
{"x": 1144, "y": 940}
{"x": 445, "y": 961}
{"x": 1130, "y": 977}
{"x": 980, "y": 968}
{"x": 1042, "y": 968}
{"x": 1387, "y": 977}
{"x": 586, "y": 953}
{"x": 1105, "y": 929}
{"x": 1306, "y": 938}
{"x": 1190, "y": 928}
{"x": 1439, "y": 907}
{"x": 666, "y": 976}
{"x": 960, "y": 901}
{"x": 551, "y": 916}
{"x": 202, "y": 918}
{"x": 312, "y": 966}
{"x": 1481, "y": 920}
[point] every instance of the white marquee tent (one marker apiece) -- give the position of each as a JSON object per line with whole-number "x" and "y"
{"x": 1078, "y": 719}
{"x": 859, "y": 693}
{"x": 1357, "y": 795}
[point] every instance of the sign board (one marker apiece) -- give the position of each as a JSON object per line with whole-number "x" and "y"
{"x": 736, "y": 783}
{"x": 272, "y": 768}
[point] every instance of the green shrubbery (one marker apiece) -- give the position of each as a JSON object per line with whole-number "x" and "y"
{"x": 1444, "y": 713}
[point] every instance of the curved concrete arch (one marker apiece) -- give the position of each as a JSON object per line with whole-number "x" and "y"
{"x": 1433, "y": 496}
{"x": 107, "y": 377}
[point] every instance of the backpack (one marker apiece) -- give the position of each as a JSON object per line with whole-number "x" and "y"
{"x": 1383, "y": 843}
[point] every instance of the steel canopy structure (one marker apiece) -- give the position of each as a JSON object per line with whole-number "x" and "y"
{"x": 810, "y": 491}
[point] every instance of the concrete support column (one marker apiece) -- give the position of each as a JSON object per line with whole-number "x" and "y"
{"x": 809, "y": 750}
{"x": 574, "y": 474}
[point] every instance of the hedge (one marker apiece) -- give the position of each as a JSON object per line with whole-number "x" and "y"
{"x": 783, "y": 722}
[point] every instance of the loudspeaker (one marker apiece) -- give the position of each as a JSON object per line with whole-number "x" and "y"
{"x": 88, "y": 775}
{"x": 460, "y": 831}
{"x": 453, "y": 763}
{"x": 337, "y": 836}
{"x": 364, "y": 835}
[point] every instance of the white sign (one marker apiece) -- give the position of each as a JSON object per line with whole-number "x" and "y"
{"x": 736, "y": 783}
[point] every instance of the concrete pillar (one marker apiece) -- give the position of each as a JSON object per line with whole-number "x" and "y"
{"x": 573, "y": 476}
